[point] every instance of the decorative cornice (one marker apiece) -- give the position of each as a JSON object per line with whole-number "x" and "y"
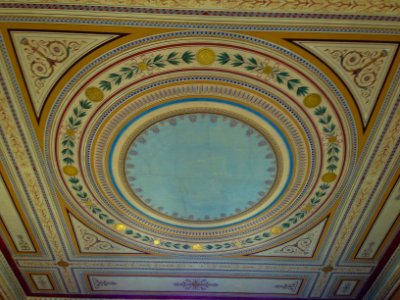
{"x": 387, "y": 279}
{"x": 9, "y": 286}
{"x": 217, "y": 7}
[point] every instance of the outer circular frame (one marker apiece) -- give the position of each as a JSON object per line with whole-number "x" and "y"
{"x": 260, "y": 76}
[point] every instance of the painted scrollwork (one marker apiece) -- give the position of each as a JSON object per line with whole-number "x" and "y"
{"x": 102, "y": 283}
{"x": 301, "y": 247}
{"x": 362, "y": 65}
{"x": 23, "y": 245}
{"x": 368, "y": 251}
{"x": 195, "y": 284}
{"x": 292, "y": 287}
{"x": 92, "y": 242}
{"x": 43, "y": 56}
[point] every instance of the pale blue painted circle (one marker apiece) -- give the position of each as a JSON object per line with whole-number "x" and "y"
{"x": 200, "y": 167}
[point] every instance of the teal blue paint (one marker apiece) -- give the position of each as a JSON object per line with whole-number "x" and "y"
{"x": 118, "y": 136}
{"x": 201, "y": 167}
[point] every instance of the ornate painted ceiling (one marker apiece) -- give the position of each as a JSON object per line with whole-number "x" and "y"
{"x": 199, "y": 149}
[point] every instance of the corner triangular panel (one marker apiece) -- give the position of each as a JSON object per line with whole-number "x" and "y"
{"x": 362, "y": 66}
{"x": 45, "y": 56}
{"x": 302, "y": 246}
{"x": 90, "y": 241}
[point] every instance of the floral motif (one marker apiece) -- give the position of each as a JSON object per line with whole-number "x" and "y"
{"x": 195, "y": 284}
{"x": 272, "y": 72}
{"x": 68, "y": 141}
{"x": 10, "y": 129}
{"x": 158, "y": 61}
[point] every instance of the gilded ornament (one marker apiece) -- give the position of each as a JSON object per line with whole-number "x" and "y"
{"x": 156, "y": 242}
{"x": 142, "y": 66}
{"x": 70, "y": 170}
{"x": 312, "y": 100}
{"x": 332, "y": 139}
{"x": 308, "y": 207}
{"x": 276, "y": 230}
{"x": 327, "y": 269}
{"x": 63, "y": 264}
{"x": 119, "y": 227}
{"x": 267, "y": 70}
{"x": 70, "y": 132}
{"x": 94, "y": 94}
{"x": 205, "y": 56}
{"x": 197, "y": 247}
{"x": 329, "y": 177}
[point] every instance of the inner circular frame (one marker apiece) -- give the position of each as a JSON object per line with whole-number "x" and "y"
{"x": 109, "y": 197}
{"x": 115, "y": 158}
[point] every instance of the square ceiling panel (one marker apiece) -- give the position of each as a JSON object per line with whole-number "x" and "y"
{"x": 199, "y": 149}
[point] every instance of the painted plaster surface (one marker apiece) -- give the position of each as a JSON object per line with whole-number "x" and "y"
{"x": 200, "y": 166}
{"x": 199, "y": 149}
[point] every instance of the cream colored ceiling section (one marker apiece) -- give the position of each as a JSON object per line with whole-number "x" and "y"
{"x": 9, "y": 215}
{"x": 362, "y": 66}
{"x": 302, "y": 246}
{"x": 45, "y": 56}
{"x": 91, "y": 242}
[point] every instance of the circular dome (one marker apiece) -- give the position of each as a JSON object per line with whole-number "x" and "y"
{"x": 200, "y": 166}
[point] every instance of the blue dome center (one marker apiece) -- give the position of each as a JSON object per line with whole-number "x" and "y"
{"x": 200, "y": 167}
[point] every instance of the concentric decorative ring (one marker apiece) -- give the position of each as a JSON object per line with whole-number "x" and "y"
{"x": 264, "y": 188}
{"x": 110, "y": 125}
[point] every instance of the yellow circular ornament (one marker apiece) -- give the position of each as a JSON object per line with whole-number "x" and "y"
{"x": 156, "y": 242}
{"x": 94, "y": 94}
{"x": 205, "y": 56}
{"x": 276, "y": 230}
{"x": 119, "y": 227}
{"x": 70, "y": 170}
{"x": 312, "y": 100}
{"x": 329, "y": 177}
